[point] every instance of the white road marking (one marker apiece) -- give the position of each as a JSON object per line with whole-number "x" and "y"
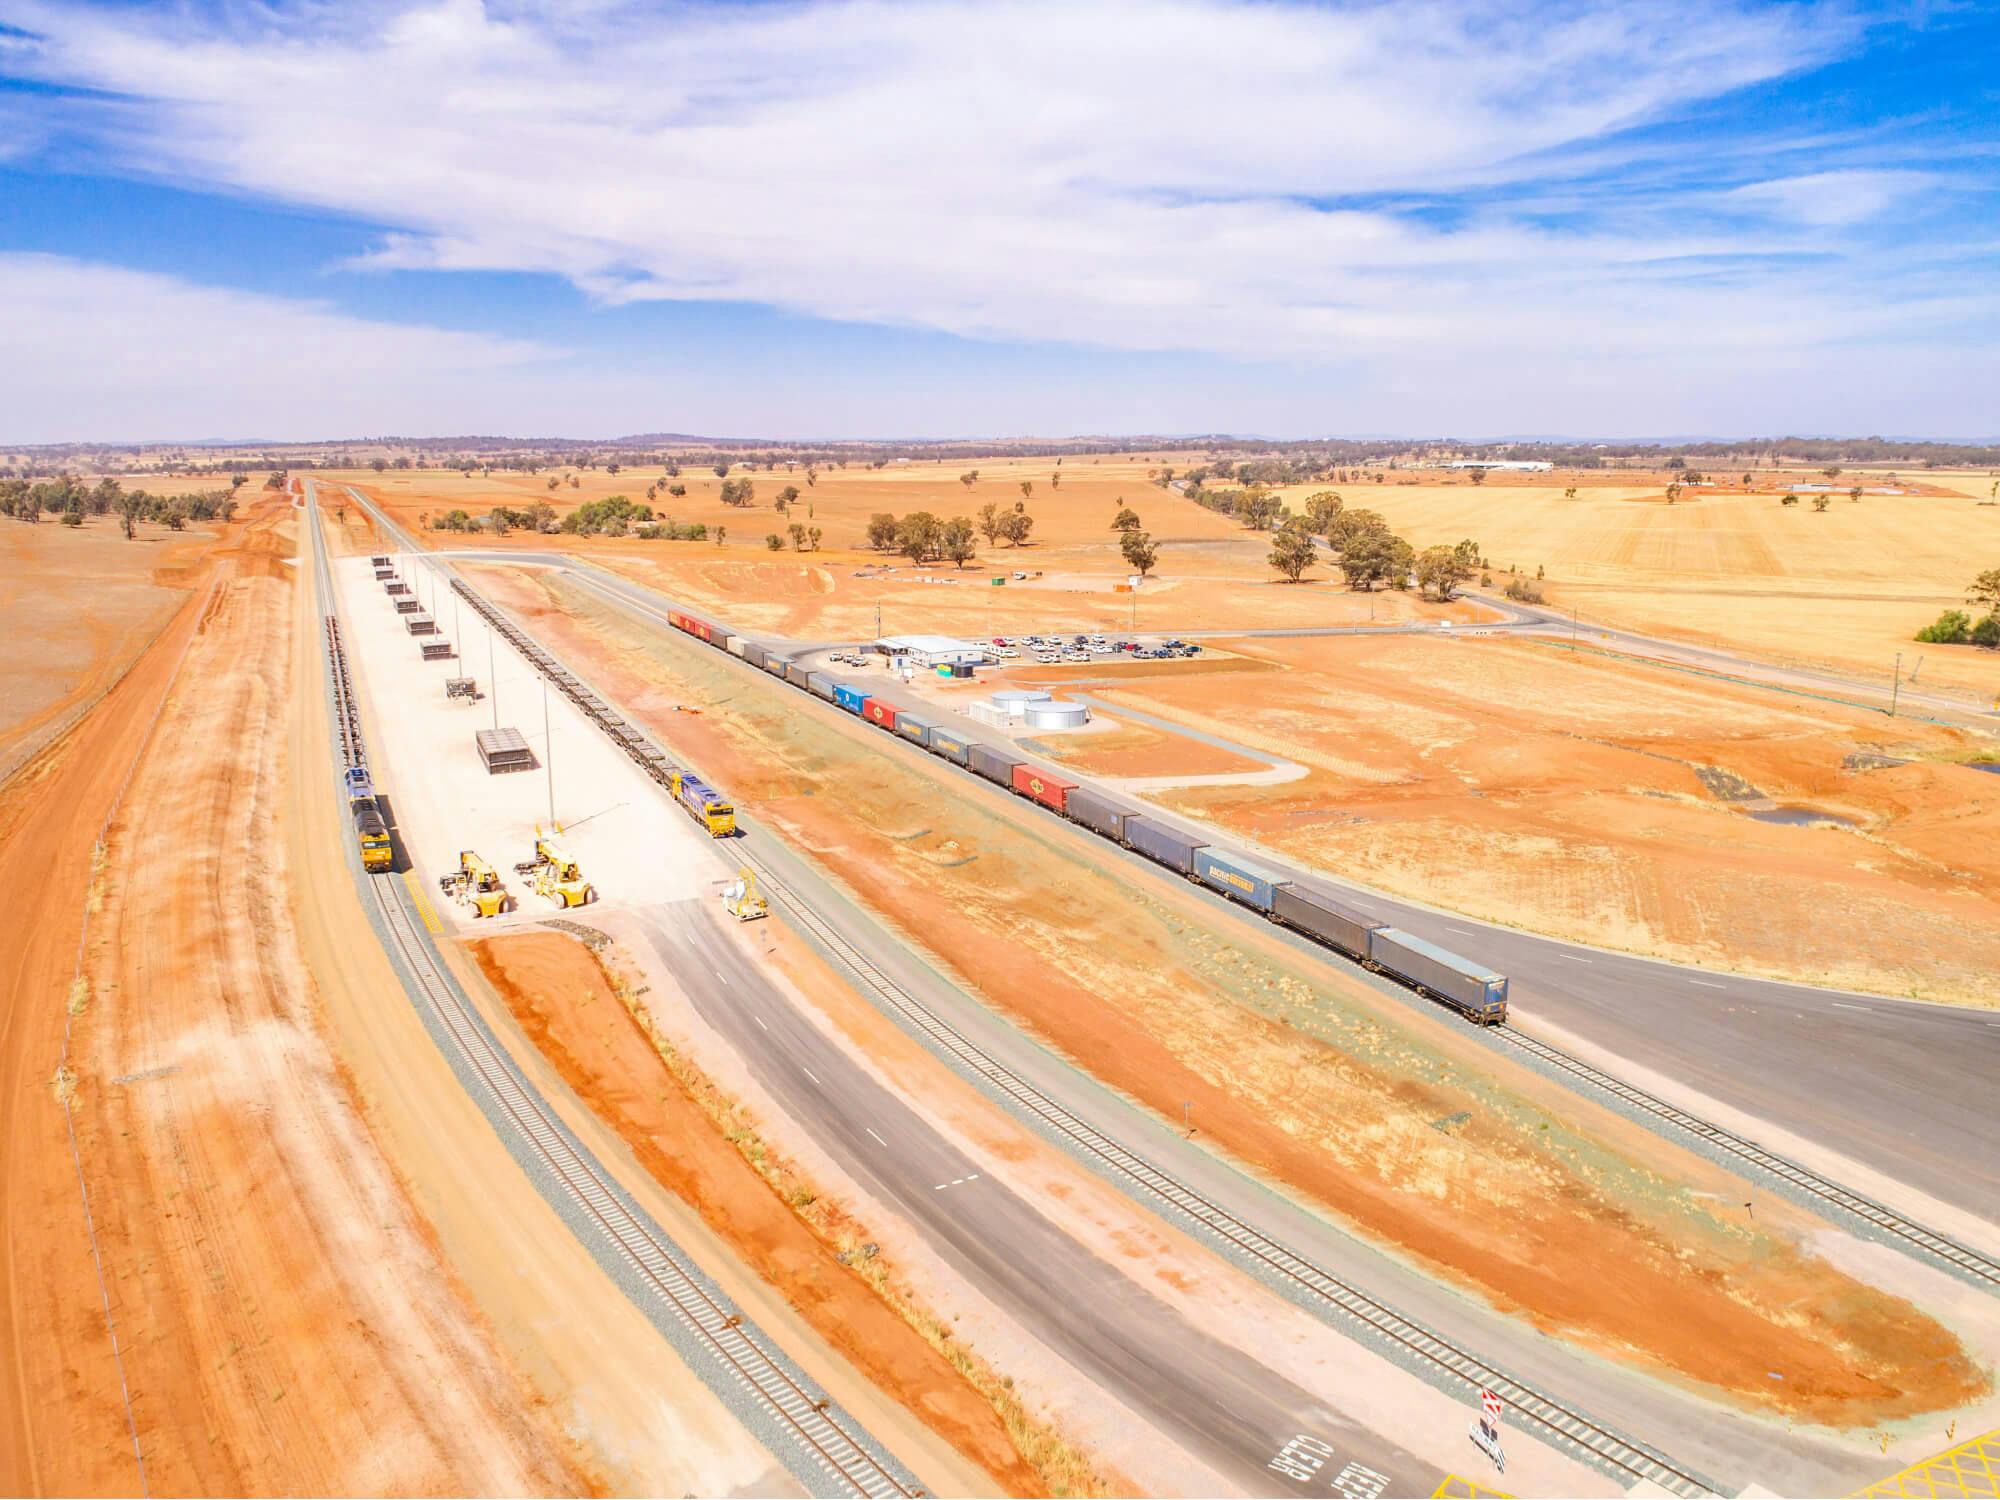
{"x": 1462, "y": 931}
{"x": 722, "y": 976}
{"x": 1707, "y": 984}
{"x": 878, "y": 1139}
{"x": 760, "y": 1021}
{"x": 1842, "y": 1005}
{"x": 807, "y": 1071}
{"x": 1577, "y": 959}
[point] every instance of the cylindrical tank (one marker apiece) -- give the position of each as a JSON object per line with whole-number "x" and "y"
{"x": 1057, "y": 715}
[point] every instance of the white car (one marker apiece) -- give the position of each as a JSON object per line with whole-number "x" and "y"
{"x": 1074, "y": 655}
{"x": 1005, "y": 653}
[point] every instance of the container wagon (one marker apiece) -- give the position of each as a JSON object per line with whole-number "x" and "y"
{"x": 798, "y": 674}
{"x": 734, "y": 644}
{"x": 1045, "y": 787}
{"x": 849, "y": 698}
{"x": 817, "y": 683}
{"x": 753, "y": 653}
{"x": 1318, "y": 915}
{"x": 910, "y": 727}
{"x": 1472, "y": 988}
{"x": 1099, "y": 813}
{"x": 704, "y": 804}
{"x": 776, "y": 665}
{"x": 1162, "y": 844}
{"x": 996, "y": 766}
{"x": 949, "y": 743}
{"x": 879, "y": 711}
{"x": 1243, "y": 880}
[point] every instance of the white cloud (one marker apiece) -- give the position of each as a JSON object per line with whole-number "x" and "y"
{"x": 1189, "y": 176}
{"x": 1826, "y": 200}
{"x": 99, "y": 352}
{"x": 1142, "y": 174}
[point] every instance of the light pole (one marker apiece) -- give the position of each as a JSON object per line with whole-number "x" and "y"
{"x": 1896, "y": 685}
{"x": 549, "y": 751}
{"x": 492, "y": 677}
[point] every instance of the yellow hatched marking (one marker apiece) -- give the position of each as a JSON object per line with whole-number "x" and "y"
{"x": 424, "y": 908}
{"x": 1971, "y": 1469}
{"x": 1458, "y": 1487}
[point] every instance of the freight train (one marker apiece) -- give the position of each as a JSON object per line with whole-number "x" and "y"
{"x": 703, "y": 803}
{"x": 371, "y": 829}
{"x": 1472, "y": 989}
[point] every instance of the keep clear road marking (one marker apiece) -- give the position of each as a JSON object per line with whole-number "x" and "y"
{"x": 878, "y": 1139}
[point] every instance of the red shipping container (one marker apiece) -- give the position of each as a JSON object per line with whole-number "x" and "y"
{"x": 1043, "y": 786}
{"x": 875, "y": 711}
{"x": 700, "y": 628}
{"x": 676, "y": 619}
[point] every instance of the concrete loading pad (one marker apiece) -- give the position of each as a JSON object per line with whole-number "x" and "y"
{"x": 634, "y": 845}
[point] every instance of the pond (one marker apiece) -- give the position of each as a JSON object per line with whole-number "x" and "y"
{"x": 1799, "y": 817}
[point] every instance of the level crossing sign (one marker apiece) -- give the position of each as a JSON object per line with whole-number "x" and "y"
{"x": 1491, "y": 1402}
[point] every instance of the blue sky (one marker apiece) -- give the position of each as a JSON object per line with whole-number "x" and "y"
{"x": 301, "y": 220}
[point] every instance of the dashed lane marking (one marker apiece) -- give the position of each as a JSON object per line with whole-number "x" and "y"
{"x": 1577, "y": 958}
{"x": 809, "y": 1073}
{"x": 878, "y": 1139}
{"x": 1707, "y": 984}
{"x": 760, "y": 1021}
{"x": 1843, "y": 1005}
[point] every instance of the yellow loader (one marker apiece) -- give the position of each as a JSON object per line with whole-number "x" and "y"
{"x": 476, "y": 885}
{"x": 554, "y": 875}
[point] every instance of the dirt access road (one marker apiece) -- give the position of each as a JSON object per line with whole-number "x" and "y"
{"x": 283, "y": 1321}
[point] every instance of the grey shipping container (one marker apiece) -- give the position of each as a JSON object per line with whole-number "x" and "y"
{"x": 950, "y": 744}
{"x": 1155, "y": 841}
{"x": 753, "y": 653}
{"x": 1473, "y": 988}
{"x": 993, "y": 764}
{"x": 775, "y": 664}
{"x": 796, "y": 673}
{"x": 817, "y": 683}
{"x": 912, "y": 727}
{"x": 1095, "y": 810}
{"x": 1233, "y": 875}
{"x": 1317, "y": 913}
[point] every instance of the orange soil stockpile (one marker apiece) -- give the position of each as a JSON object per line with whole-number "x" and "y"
{"x": 563, "y": 999}
{"x": 1292, "y": 1068}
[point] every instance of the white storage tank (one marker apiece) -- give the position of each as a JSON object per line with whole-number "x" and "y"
{"x": 1015, "y": 701}
{"x": 1057, "y": 715}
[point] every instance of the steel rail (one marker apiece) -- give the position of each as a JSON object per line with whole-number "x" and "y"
{"x": 844, "y": 1461}
{"x": 1558, "y": 1423}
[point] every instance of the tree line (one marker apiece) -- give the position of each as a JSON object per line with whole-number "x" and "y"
{"x": 70, "y": 500}
{"x": 1955, "y": 627}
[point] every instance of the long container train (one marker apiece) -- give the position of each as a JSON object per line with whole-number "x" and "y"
{"x": 1471, "y": 988}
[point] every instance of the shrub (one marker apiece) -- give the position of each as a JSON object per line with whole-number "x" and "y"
{"x": 72, "y": 518}
{"x": 1952, "y": 628}
{"x": 1987, "y": 633}
{"x": 1524, "y": 591}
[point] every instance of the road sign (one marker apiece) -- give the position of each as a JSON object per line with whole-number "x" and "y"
{"x": 1490, "y": 1400}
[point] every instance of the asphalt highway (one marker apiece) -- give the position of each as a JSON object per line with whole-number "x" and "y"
{"x": 1230, "y": 1411}
{"x": 1900, "y": 1086}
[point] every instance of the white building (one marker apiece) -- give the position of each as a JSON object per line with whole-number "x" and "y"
{"x": 1516, "y": 465}
{"x": 932, "y": 650}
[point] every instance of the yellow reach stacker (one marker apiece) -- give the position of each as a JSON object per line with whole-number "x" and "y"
{"x": 742, "y": 900}
{"x": 554, "y": 875}
{"x": 476, "y": 885}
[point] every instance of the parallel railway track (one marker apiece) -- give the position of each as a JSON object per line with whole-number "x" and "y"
{"x": 847, "y": 1466}
{"x": 1554, "y": 1421}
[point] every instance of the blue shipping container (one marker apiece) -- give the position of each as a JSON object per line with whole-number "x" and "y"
{"x": 849, "y": 698}
{"x": 1236, "y": 876}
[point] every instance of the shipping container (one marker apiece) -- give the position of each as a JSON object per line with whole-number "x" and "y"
{"x": 753, "y": 653}
{"x": 950, "y": 744}
{"x": 676, "y": 619}
{"x": 817, "y": 683}
{"x": 912, "y": 727}
{"x": 994, "y": 765}
{"x": 1473, "y": 988}
{"x": 733, "y": 644}
{"x": 879, "y": 711}
{"x": 1158, "y": 842}
{"x": 1318, "y": 915}
{"x": 849, "y": 698}
{"x": 1044, "y": 786}
{"x": 700, "y": 629}
{"x": 1097, "y": 811}
{"x": 1230, "y": 873}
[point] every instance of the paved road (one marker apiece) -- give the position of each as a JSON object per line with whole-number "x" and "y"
{"x": 1226, "y": 1408}
{"x": 1894, "y": 1084}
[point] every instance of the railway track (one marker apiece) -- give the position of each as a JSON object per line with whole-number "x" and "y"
{"x": 845, "y": 1465}
{"x": 1556, "y": 1422}
{"x": 1912, "y": 1235}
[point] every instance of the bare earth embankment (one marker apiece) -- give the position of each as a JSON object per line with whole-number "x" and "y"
{"x": 284, "y": 1323}
{"x": 1291, "y": 1067}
